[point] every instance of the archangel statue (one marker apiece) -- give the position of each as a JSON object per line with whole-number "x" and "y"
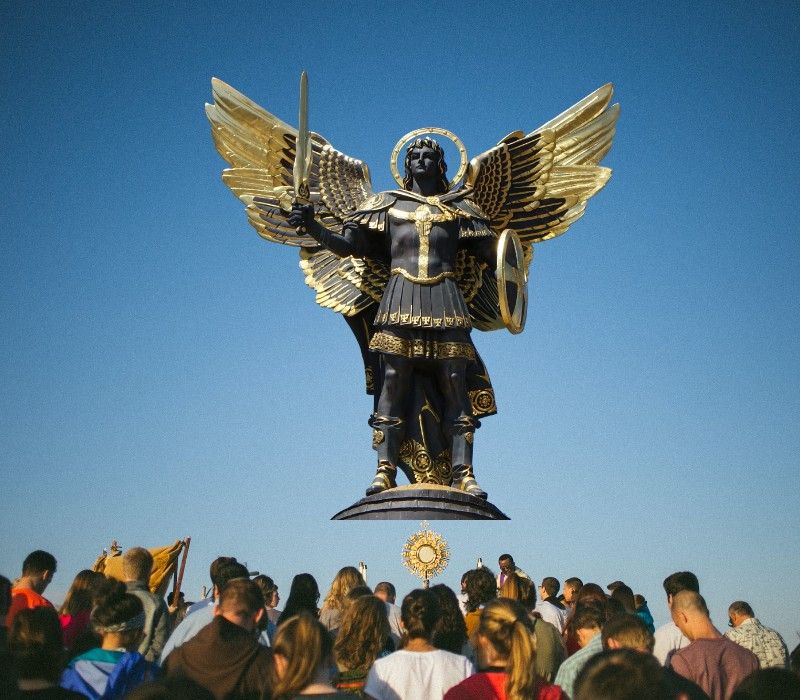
{"x": 414, "y": 270}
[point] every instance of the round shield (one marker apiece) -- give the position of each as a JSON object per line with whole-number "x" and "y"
{"x": 512, "y": 281}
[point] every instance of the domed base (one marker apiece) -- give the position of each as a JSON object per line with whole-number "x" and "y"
{"x": 421, "y": 502}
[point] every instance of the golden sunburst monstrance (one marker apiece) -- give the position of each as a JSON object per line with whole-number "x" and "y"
{"x": 425, "y": 553}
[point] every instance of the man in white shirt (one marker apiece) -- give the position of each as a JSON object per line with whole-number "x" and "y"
{"x": 387, "y": 593}
{"x": 550, "y": 607}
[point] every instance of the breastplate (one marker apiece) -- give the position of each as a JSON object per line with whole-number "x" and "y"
{"x": 424, "y": 217}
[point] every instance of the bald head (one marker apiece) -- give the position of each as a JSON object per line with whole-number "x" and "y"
{"x": 690, "y": 614}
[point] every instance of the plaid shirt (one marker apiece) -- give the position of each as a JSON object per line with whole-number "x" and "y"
{"x": 765, "y": 643}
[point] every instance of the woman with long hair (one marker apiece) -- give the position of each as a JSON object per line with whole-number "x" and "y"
{"x": 418, "y": 671}
{"x": 364, "y": 636}
{"x": 481, "y": 587}
{"x": 506, "y": 657}
{"x": 345, "y": 580}
{"x": 302, "y": 649}
{"x": 450, "y": 630}
{"x": 115, "y": 667}
{"x": 303, "y": 596}
{"x": 74, "y": 611}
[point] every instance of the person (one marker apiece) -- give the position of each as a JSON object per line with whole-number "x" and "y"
{"x": 588, "y": 624}
{"x": 418, "y": 671}
{"x": 769, "y": 684}
{"x": 76, "y": 608}
{"x": 213, "y": 570}
{"x": 550, "y": 648}
{"x": 621, "y": 674}
{"x": 668, "y": 637}
{"x": 747, "y": 631}
{"x": 624, "y": 594}
{"x": 225, "y": 656}
{"x": 271, "y": 599}
{"x": 196, "y": 621}
{"x": 38, "y": 570}
{"x": 137, "y": 565}
{"x": 37, "y": 650}
{"x": 507, "y": 567}
{"x": 549, "y": 607}
{"x": 506, "y": 652}
{"x": 115, "y": 667}
{"x": 267, "y": 587}
{"x": 347, "y": 578}
{"x": 364, "y": 635}
{"x": 170, "y": 688}
{"x": 572, "y": 587}
{"x": 385, "y": 590}
{"x": 7, "y": 684}
{"x": 302, "y": 660}
{"x": 450, "y": 630}
{"x": 422, "y": 325}
{"x": 303, "y": 595}
{"x": 712, "y": 661}
{"x": 481, "y": 588}
{"x": 644, "y": 612}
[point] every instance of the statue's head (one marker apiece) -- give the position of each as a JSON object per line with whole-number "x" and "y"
{"x": 421, "y": 148}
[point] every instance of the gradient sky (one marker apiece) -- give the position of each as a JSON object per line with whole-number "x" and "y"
{"x": 165, "y": 372}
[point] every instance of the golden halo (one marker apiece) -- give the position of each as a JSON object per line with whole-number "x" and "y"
{"x": 462, "y": 152}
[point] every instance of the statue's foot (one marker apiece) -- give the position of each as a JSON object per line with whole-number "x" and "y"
{"x": 464, "y": 480}
{"x": 384, "y": 479}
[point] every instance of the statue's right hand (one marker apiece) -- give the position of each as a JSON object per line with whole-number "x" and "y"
{"x": 301, "y": 217}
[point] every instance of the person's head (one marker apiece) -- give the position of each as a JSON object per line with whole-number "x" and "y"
{"x": 450, "y": 630}
{"x": 690, "y": 613}
{"x": 588, "y": 622}
{"x": 386, "y": 592}
{"x": 36, "y": 643}
{"x": 303, "y": 595}
{"x": 118, "y": 616}
{"x": 39, "y": 568}
{"x": 506, "y": 564}
{"x": 505, "y": 637}
{"x": 216, "y": 565}
{"x": 591, "y": 594}
{"x": 738, "y": 612}
{"x": 481, "y": 588}
{"x": 624, "y": 595}
{"x": 241, "y": 603}
{"x": 614, "y": 585}
{"x": 680, "y": 581}
{"x": 137, "y": 564}
{"x": 302, "y": 649}
{"x": 512, "y": 588}
{"x": 767, "y": 684}
{"x": 346, "y": 579}
{"x": 267, "y": 587}
{"x": 226, "y": 573}
{"x": 571, "y": 588}
{"x": 639, "y": 601}
{"x": 363, "y": 633}
{"x": 425, "y": 159}
{"x": 549, "y": 587}
{"x": 628, "y": 632}
{"x": 621, "y": 674}
{"x": 794, "y": 660}
{"x": 81, "y": 593}
{"x": 5, "y": 599}
{"x": 170, "y": 688}
{"x": 418, "y": 613}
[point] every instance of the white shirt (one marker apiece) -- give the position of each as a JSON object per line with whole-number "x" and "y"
{"x": 668, "y": 639}
{"x": 552, "y": 614}
{"x": 417, "y": 675}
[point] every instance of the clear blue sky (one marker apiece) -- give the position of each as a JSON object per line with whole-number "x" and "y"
{"x": 165, "y": 372}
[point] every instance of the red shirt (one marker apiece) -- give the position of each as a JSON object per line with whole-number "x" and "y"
{"x": 491, "y": 685}
{"x": 22, "y": 599}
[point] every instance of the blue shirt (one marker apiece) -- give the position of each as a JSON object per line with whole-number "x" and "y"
{"x": 569, "y": 670}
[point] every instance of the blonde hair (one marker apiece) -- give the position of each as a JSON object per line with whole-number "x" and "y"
{"x": 304, "y": 642}
{"x": 362, "y": 634}
{"x": 505, "y": 625}
{"x": 346, "y": 580}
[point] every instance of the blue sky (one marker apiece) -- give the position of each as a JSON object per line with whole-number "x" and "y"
{"x": 166, "y": 372}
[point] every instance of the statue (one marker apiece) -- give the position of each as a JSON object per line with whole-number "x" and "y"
{"x": 413, "y": 270}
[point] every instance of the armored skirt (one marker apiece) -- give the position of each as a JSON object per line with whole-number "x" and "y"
{"x": 423, "y": 321}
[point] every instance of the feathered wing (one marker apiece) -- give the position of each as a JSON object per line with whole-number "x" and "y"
{"x": 538, "y": 184}
{"x": 260, "y": 149}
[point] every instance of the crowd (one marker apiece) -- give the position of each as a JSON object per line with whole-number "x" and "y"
{"x": 500, "y": 638}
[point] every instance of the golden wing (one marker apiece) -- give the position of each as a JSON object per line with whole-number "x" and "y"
{"x": 261, "y": 150}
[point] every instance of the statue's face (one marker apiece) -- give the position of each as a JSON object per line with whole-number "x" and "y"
{"x": 424, "y": 162}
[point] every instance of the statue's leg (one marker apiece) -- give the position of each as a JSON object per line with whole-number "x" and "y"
{"x": 388, "y": 427}
{"x": 461, "y": 425}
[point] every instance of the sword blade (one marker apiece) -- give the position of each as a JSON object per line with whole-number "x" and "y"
{"x": 302, "y": 157}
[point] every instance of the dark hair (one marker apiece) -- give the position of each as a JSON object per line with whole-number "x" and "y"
{"x": 5, "y": 596}
{"x": 81, "y": 593}
{"x": 450, "y": 630}
{"x": 481, "y": 587}
{"x": 38, "y": 562}
{"x": 443, "y": 185}
{"x": 630, "y": 631}
{"x": 37, "y": 644}
{"x": 358, "y": 592}
{"x": 591, "y": 592}
{"x": 267, "y": 587}
{"x": 229, "y": 572}
{"x": 550, "y": 585}
{"x": 114, "y": 605}
{"x": 505, "y": 556}
{"x": 242, "y": 594}
{"x": 170, "y": 688}
{"x": 588, "y": 617}
{"x": 741, "y": 608}
{"x": 681, "y": 581}
{"x": 573, "y": 582}
{"x": 769, "y": 683}
{"x": 387, "y": 588}
{"x": 621, "y": 674}
{"x": 624, "y": 595}
{"x": 419, "y": 613}
{"x": 303, "y": 595}
{"x": 216, "y": 565}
